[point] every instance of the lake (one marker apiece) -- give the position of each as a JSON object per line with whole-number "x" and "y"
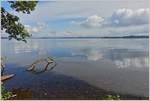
{"x": 84, "y": 67}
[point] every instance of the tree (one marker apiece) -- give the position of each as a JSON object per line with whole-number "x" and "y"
{"x": 11, "y": 24}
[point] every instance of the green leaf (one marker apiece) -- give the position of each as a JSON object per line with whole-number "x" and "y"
{"x": 11, "y": 23}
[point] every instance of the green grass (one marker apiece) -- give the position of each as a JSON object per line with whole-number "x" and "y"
{"x": 112, "y": 97}
{"x": 5, "y": 95}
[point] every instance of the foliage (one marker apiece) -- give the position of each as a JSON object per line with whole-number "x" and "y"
{"x": 11, "y": 24}
{"x": 111, "y": 97}
{"x": 5, "y": 95}
{"x": 23, "y": 6}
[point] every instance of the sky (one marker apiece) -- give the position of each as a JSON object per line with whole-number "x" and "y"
{"x": 64, "y": 18}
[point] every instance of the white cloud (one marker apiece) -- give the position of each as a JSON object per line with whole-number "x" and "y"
{"x": 47, "y": 10}
{"x": 138, "y": 30}
{"x": 36, "y": 29}
{"x": 128, "y": 17}
{"x": 31, "y": 29}
{"x": 120, "y": 18}
{"x": 93, "y": 24}
{"x": 121, "y": 21}
{"x": 92, "y": 21}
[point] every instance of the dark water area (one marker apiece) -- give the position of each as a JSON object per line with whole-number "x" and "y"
{"x": 52, "y": 85}
{"x": 86, "y": 69}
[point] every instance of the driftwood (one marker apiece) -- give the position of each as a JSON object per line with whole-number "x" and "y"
{"x": 4, "y": 77}
{"x": 48, "y": 61}
{"x": 31, "y": 68}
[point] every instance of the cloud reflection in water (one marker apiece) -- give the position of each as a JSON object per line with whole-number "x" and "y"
{"x": 116, "y": 51}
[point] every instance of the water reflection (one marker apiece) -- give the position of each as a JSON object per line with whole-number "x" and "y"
{"x": 118, "y": 51}
{"x": 94, "y": 61}
{"x": 22, "y": 48}
{"x": 132, "y": 62}
{"x": 124, "y": 58}
{"x": 88, "y": 54}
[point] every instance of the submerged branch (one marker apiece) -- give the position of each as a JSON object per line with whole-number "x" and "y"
{"x": 48, "y": 61}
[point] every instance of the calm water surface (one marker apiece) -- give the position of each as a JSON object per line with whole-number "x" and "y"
{"x": 119, "y": 65}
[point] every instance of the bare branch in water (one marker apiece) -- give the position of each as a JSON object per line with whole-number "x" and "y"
{"x": 48, "y": 61}
{"x": 4, "y": 77}
{"x": 2, "y": 65}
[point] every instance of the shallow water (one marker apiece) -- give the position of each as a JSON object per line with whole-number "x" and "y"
{"x": 83, "y": 65}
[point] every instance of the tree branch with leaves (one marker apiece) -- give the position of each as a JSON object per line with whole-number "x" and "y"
{"x": 11, "y": 23}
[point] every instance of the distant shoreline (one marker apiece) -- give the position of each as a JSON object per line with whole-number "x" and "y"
{"x": 117, "y": 37}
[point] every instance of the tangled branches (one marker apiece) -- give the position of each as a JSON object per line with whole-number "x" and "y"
{"x": 48, "y": 61}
